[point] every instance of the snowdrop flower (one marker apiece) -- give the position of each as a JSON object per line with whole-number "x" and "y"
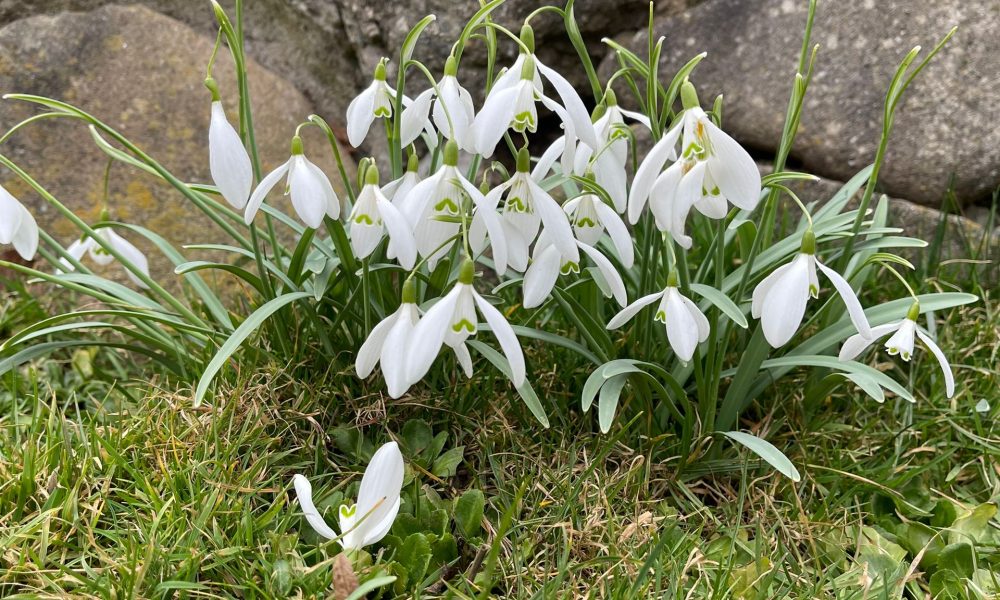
{"x": 527, "y": 66}
{"x": 373, "y": 215}
{"x": 609, "y": 127}
{"x": 102, "y": 257}
{"x": 398, "y": 189}
{"x": 779, "y": 300}
{"x": 452, "y": 320}
{"x": 900, "y": 343}
{"x": 526, "y": 207}
{"x": 686, "y": 325}
{"x": 376, "y": 102}
{"x": 368, "y": 521}
{"x": 436, "y": 205}
{"x": 17, "y": 226}
{"x": 312, "y": 195}
{"x": 591, "y": 217}
{"x": 549, "y": 263}
{"x": 513, "y": 107}
{"x": 388, "y": 345}
{"x": 227, "y": 157}
{"x": 453, "y": 113}
{"x": 711, "y": 170}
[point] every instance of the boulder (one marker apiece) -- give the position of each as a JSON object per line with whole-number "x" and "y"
{"x": 140, "y": 72}
{"x": 941, "y": 130}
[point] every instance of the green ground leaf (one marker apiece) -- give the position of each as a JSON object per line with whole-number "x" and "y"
{"x": 767, "y": 451}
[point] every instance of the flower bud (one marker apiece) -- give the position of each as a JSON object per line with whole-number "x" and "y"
{"x": 689, "y": 95}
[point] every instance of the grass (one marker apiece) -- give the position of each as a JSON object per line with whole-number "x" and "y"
{"x": 115, "y": 487}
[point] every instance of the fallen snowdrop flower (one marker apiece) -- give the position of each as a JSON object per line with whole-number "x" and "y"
{"x": 369, "y": 520}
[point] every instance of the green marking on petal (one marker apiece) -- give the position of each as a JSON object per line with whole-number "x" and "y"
{"x": 661, "y": 316}
{"x": 464, "y": 324}
{"x": 383, "y": 112}
{"x": 446, "y": 205}
{"x": 348, "y": 511}
{"x": 585, "y": 222}
{"x": 569, "y": 267}
{"x": 516, "y": 204}
{"x": 364, "y": 219}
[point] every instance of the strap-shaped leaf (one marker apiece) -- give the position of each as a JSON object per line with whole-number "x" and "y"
{"x": 766, "y": 450}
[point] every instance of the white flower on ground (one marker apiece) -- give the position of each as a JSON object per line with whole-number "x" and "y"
{"x": 711, "y": 170}
{"x": 397, "y": 190}
{"x": 900, "y": 343}
{"x": 513, "y": 107}
{"x": 228, "y": 160}
{"x": 453, "y": 113}
{"x": 312, "y": 195}
{"x": 548, "y": 263}
{"x": 436, "y": 205}
{"x": 17, "y": 226}
{"x": 368, "y": 521}
{"x": 452, "y": 320}
{"x": 99, "y": 255}
{"x": 389, "y": 342}
{"x": 372, "y": 217}
{"x": 376, "y": 102}
{"x": 686, "y": 325}
{"x": 779, "y": 300}
{"x": 591, "y": 218}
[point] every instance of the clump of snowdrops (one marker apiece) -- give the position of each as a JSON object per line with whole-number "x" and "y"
{"x": 663, "y": 270}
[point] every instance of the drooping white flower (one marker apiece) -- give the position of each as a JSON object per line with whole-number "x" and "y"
{"x": 610, "y": 128}
{"x": 389, "y": 342}
{"x": 779, "y": 300}
{"x": 591, "y": 218}
{"x": 711, "y": 170}
{"x": 513, "y": 107}
{"x": 575, "y": 113}
{"x": 102, "y": 257}
{"x": 312, "y": 194}
{"x": 17, "y": 226}
{"x": 435, "y": 206}
{"x": 398, "y": 190}
{"x": 453, "y": 112}
{"x": 526, "y": 207}
{"x": 548, "y": 263}
{"x": 372, "y": 217}
{"x": 228, "y": 160}
{"x": 376, "y": 102}
{"x": 452, "y": 320}
{"x": 368, "y": 521}
{"x": 686, "y": 325}
{"x": 900, "y": 343}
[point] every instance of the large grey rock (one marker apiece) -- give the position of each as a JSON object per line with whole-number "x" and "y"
{"x": 945, "y": 126}
{"x": 140, "y": 72}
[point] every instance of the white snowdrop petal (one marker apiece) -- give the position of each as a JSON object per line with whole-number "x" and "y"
{"x": 649, "y": 171}
{"x": 785, "y": 304}
{"x": 949, "y": 377}
{"x": 228, "y": 160}
{"x": 131, "y": 254}
{"x": 414, "y": 119}
{"x": 505, "y": 337}
{"x": 626, "y": 314}
{"x": 360, "y": 114}
{"x": 263, "y": 188}
{"x": 399, "y": 232}
{"x": 428, "y": 335}
{"x": 540, "y": 277}
{"x": 493, "y": 120}
{"x": 618, "y": 232}
{"x": 308, "y": 194}
{"x": 25, "y": 239}
{"x": 577, "y": 112}
{"x": 682, "y": 331}
{"x": 854, "y": 308}
{"x": 303, "y": 491}
{"x": 371, "y": 349}
{"x": 857, "y": 343}
{"x": 608, "y": 272}
{"x": 378, "y": 495}
{"x": 732, "y": 168}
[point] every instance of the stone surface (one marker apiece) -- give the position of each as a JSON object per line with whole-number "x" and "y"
{"x": 945, "y": 127}
{"x": 140, "y": 72}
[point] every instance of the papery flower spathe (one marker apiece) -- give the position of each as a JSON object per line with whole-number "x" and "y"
{"x": 389, "y": 342}
{"x": 17, "y": 226}
{"x": 779, "y": 300}
{"x": 712, "y": 169}
{"x": 228, "y": 160}
{"x": 99, "y": 255}
{"x": 686, "y": 325}
{"x": 452, "y": 320}
{"x": 900, "y": 343}
{"x": 435, "y": 206}
{"x": 372, "y": 216}
{"x": 311, "y": 192}
{"x": 549, "y": 263}
{"x": 368, "y": 521}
